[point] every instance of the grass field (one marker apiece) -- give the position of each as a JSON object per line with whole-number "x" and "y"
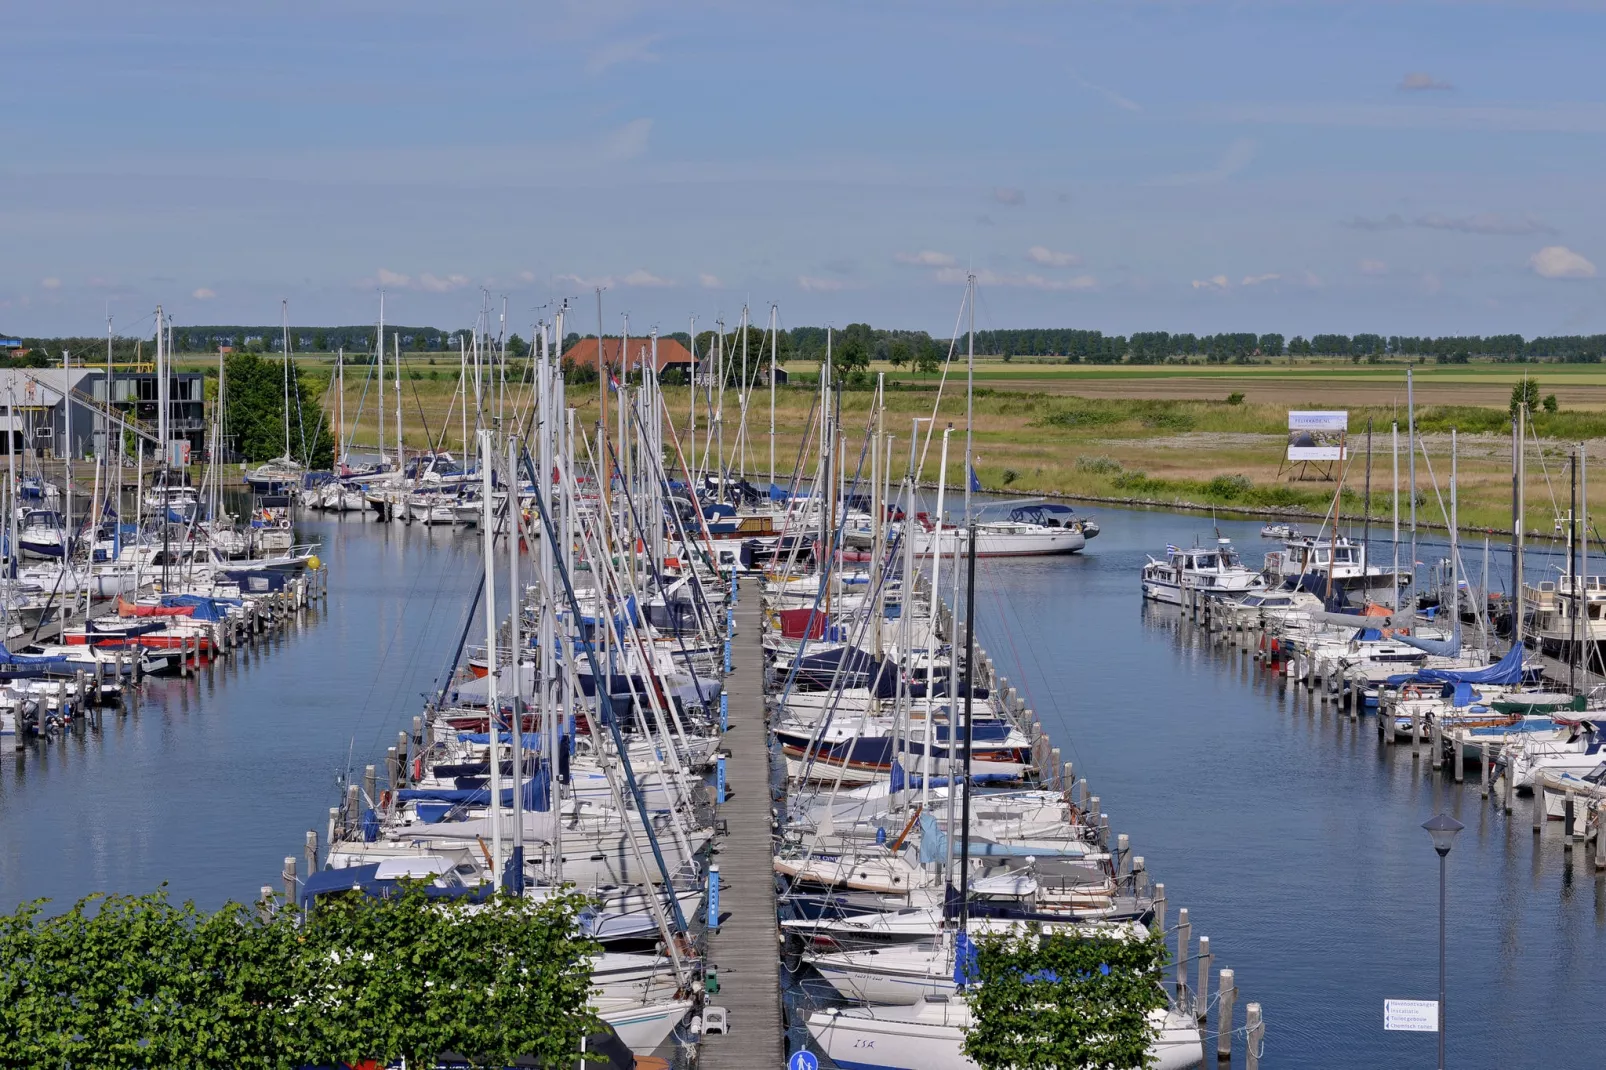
{"x": 1164, "y": 434}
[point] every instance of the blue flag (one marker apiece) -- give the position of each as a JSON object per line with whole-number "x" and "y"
{"x": 975, "y": 484}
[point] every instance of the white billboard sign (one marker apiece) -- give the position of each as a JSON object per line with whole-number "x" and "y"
{"x": 1316, "y": 435}
{"x": 1411, "y": 1015}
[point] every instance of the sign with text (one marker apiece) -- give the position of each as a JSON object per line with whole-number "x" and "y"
{"x": 1316, "y": 435}
{"x": 1411, "y": 1015}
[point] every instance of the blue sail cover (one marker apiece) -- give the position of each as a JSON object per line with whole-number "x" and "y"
{"x": 1508, "y": 671}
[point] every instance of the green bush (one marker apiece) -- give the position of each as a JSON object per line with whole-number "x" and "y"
{"x": 1168, "y": 418}
{"x": 1100, "y": 465}
{"x": 1229, "y": 488}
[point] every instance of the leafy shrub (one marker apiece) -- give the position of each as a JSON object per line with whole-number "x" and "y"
{"x": 1010, "y": 475}
{"x": 1100, "y": 465}
{"x": 1168, "y": 418}
{"x": 1080, "y": 416}
{"x": 1235, "y": 398}
{"x": 1229, "y": 488}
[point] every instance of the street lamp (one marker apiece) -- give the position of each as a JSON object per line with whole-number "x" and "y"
{"x": 1443, "y": 829}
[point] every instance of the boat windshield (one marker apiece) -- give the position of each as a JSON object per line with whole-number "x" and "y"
{"x": 1597, "y": 775}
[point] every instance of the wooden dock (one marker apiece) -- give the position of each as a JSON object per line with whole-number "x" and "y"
{"x": 744, "y": 952}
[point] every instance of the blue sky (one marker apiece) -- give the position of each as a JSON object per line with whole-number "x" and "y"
{"x": 1295, "y": 167}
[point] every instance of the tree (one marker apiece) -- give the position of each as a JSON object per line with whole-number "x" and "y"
{"x": 1052, "y": 1000}
{"x": 1271, "y": 345}
{"x": 928, "y": 357}
{"x": 899, "y": 352}
{"x": 254, "y": 415}
{"x": 1550, "y": 404}
{"x": 1524, "y": 395}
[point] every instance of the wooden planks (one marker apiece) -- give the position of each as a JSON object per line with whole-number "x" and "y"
{"x": 745, "y": 952}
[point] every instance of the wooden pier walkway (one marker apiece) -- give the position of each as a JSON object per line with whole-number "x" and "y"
{"x": 744, "y": 951}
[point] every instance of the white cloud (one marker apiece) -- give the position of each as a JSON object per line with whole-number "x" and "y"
{"x": 51, "y": 283}
{"x": 1029, "y": 281}
{"x": 602, "y": 282}
{"x": 638, "y": 50}
{"x": 392, "y": 278}
{"x": 1009, "y": 195}
{"x": 203, "y": 294}
{"x": 639, "y": 277}
{"x": 709, "y": 282}
{"x": 1256, "y": 280}
{"x": 1235, "y": 159}
{"x": 1418, "y": 81}
{"x": 438, "y": 285}
{"x": 813, "y": 284}
{"x": 925, "y": 258}
{"x": 1560, "y": 262}
{"x": 526, "y": 276}
{"x": 1373, "y": 267}
{"x": 625, "y": 143}
{"x": 1214, "y": 282}
{"x": 1042, "y": 254}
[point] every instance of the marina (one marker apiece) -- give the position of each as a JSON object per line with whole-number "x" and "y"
{"x": 800, "y": 754}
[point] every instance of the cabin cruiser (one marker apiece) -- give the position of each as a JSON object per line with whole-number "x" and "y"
{"x": 1334, "y": 560}
{"x": 1030, "y": 529}
{"x": 1558, "y": 623}
{"x": 1212, "y": 571}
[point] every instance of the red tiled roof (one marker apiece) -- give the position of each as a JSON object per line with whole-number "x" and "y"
{"x": 670, "y": 352}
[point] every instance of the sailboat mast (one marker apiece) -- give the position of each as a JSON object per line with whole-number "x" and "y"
{"x": 774, "y": 359}
{"x": 1410, "y": 450}
{"x": 284, "y": 326}
{"x": 379, "y": 356}
{"x": 401, "y": 459}
{"x": 965, "y": 678}
{"x": 340, "y": 413}
{"x": 492, "y": 701}
{"x": 1518, "y": 457}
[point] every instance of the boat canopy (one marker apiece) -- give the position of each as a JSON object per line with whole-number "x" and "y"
{"x": 1508, "y": 670}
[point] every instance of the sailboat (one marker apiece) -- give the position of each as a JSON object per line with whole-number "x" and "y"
{"x": 283, "y": 474}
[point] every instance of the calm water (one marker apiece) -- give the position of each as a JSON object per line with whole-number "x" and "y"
{"x": 212, "y": 781}
{"x": 1292, "y": 837}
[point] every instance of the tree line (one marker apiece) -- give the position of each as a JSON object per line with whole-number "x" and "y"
{"x": 854, "y": 346}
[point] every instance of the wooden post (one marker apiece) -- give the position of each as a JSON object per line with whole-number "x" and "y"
{"x": 1458, "y": 758}
{"x": 1140, "y": 876}
{"x": 312, "y": 852}
{"x": 265, "y": 901}
{"x": 1416, "y": 732}
{"x": 1054, "y": 764}
{"x": 1093, "y": 812}
{"x": 1224, "y": 1017}
{"x": 1569, "y": 808}
{"x": 1257, "y": 1030}
{"x": 1201, "y": 1006}
{"x": 289, "y": 875}
{"x": 1538, "y": 807}
{"x": 1184, "y": 941}
{"x": 1600, "y": 835}
{"x": 1159, "y": 905}
{"x": 1123, "y": 855}
{"x": 1483, "y": 769}
{"x": 334, "y": 825}
{"x": 370, "y": 789}
{"x": 1510, "y": 789}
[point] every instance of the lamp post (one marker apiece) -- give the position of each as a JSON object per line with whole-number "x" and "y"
{"x": 1442, "y": 828}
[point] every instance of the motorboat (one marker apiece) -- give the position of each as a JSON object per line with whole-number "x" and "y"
{"x": 1211, "y": 571}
